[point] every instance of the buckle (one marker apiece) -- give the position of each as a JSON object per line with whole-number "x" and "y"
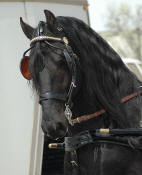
{"x": 73, "y": 162}
{"x": 68, "y": 115}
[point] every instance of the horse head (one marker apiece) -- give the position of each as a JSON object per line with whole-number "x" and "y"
{"x": 51, "y": 66}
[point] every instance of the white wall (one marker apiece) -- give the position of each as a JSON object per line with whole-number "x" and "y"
{"x": 17, "y": 117}
{"x": 35, "y": 12}
{"x": 16, "y": 98}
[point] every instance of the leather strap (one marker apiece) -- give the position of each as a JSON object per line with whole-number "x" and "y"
{"x": 77, "y": 141}
{"x": 123, "y": 100}
{"x": 71, "y": 62}
{"x": 89, "y": 136}
{"x": 52, "y": 95}
{"x": 87, "y": 117}
{"x": 94, "y": 136}
{"x": 102, "y": 111}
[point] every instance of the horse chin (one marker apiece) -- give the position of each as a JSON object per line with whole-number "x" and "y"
{"x": 54, "y": 130}
{"x": 60, "y": 135}
{"x": 55, "y": 136}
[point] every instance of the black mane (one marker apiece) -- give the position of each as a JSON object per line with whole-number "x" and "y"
{"x": 106, "y": 78}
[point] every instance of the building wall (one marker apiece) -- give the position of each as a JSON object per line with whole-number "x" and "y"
{"x": 16, "y": 112}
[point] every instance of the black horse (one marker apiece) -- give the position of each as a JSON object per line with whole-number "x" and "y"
{"x": 77, "y": 74}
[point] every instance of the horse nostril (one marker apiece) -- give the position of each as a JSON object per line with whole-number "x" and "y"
{"x": 54, "y": 129}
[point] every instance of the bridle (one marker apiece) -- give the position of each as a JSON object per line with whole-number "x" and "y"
{"x": 71, "y": 60}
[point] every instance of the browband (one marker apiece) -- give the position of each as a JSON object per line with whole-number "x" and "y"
{"x": 42, "y": 38}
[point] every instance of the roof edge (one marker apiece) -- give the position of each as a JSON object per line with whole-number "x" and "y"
{"x": 70, "y": 2}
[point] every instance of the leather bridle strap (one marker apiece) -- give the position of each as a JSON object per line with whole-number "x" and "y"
{"x": 102, "y": 111}
{"x": 71, "y": 61}
{"x": 52, "y": 95}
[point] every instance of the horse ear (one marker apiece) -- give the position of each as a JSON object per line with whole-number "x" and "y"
{"x": 50, "y": 18}
{"x": 27, "y": 29}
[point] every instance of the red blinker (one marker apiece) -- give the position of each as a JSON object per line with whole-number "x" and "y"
{"x": 24, "y": 67}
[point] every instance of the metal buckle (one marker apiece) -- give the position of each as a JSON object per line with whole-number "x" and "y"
{"x": 74, "y": 158}
{"x": 74, "y": 163}
{"x": 68, "y": 115}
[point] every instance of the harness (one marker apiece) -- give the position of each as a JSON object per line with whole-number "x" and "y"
{"x": 116, "y": 137}
{"x": 72, "y": 62}
{"x": 71, "y": 144}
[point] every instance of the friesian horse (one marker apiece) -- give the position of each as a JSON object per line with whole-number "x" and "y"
{"x": 83, "y": 85}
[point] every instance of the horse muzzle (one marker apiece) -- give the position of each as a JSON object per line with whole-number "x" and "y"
{"x": 54, "y": 130}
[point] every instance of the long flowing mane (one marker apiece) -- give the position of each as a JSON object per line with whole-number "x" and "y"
{"x": 106, "y": 78}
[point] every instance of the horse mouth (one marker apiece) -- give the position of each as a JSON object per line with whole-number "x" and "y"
{"x": 55, "y": 134}
{"x": 61, "y": 134}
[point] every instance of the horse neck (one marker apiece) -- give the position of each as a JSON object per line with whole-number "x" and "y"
{"x": 83, "y": 106}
